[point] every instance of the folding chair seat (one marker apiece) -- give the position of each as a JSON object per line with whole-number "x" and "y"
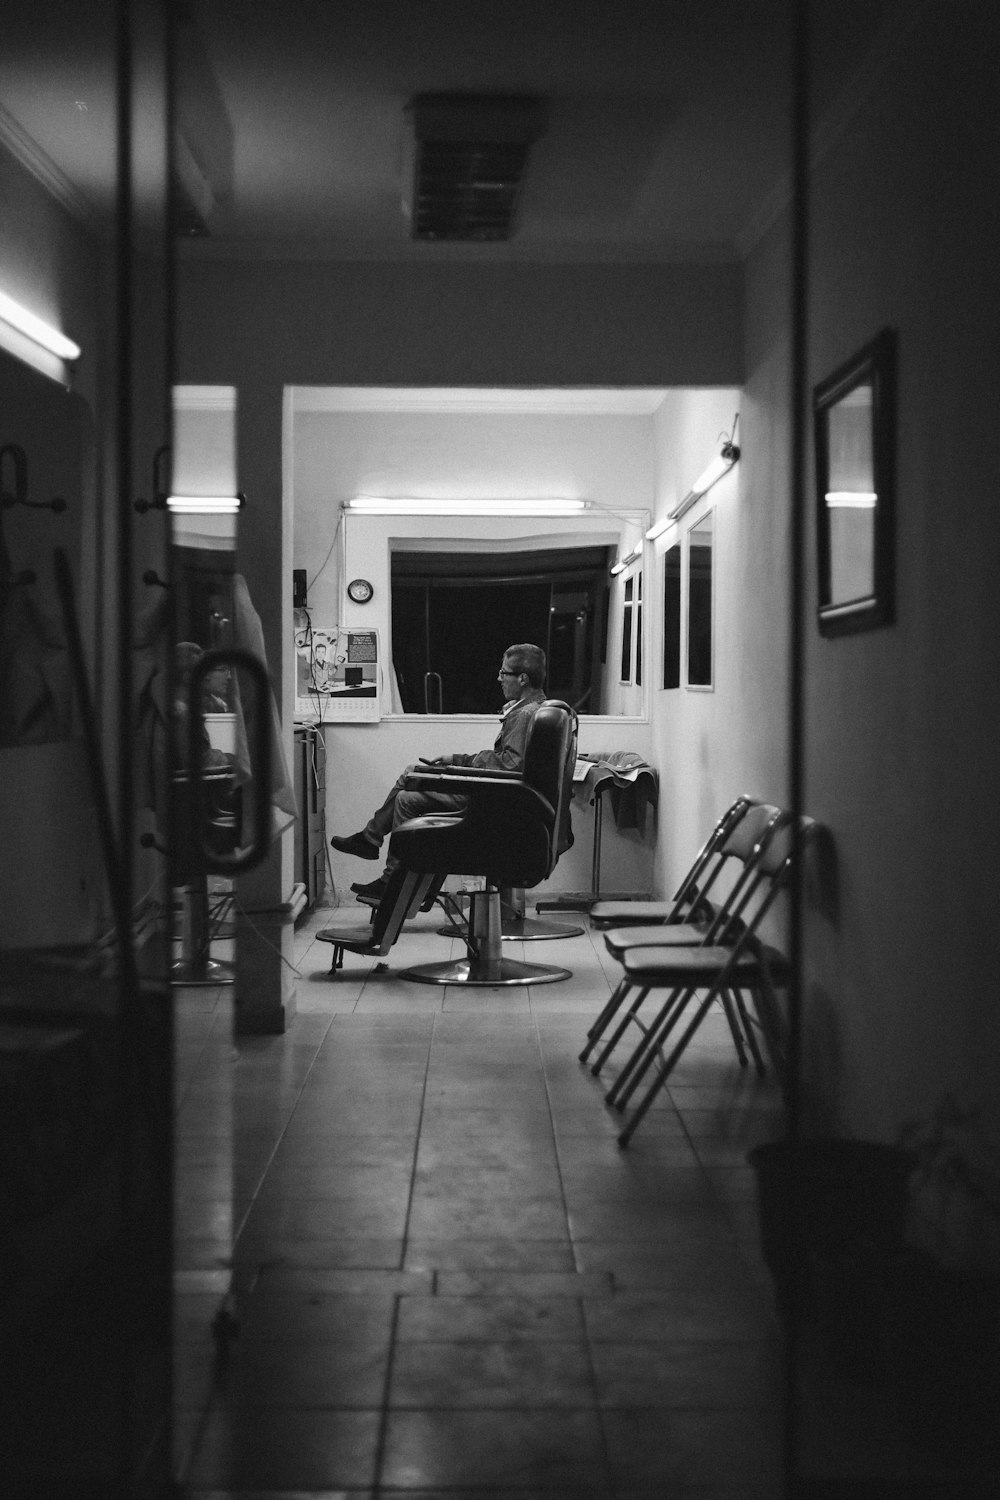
{"x": 741, "y": 836}
{"x": 693, "y": 889}
{"x": 740, "y": 963}
{"x": 407, "y": 892}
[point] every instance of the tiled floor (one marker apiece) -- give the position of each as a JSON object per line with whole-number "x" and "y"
{"x": 449, "y": 1279}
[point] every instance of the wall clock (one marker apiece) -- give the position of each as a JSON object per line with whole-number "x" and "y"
{"x": 360, "y": 590}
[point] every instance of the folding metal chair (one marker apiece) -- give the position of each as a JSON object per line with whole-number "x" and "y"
{"x": 736, "y": 837}
{"x": 740, "y": 964}
{"x": 693, "y": 889}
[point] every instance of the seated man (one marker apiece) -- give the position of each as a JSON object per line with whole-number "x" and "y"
{"x": 521, "y": 675}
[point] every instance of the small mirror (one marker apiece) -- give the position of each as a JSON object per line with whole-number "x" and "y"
{"x": 672, "y": 616}
{"x": 699, "y": 640}
{"x": 853, "y": 413}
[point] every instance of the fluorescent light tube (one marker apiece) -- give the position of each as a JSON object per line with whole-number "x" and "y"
{"x": 376, "y": 506}
{"x": 851, "y": 499}
{"x": 658, "y": 529}
{"x": 711, "y": 474}
{"x": 619, "y": 567}
{"x": 34, "y": 341}
{"x": 204, "y": 505}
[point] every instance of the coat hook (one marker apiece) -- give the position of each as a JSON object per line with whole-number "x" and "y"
{"x": 19, "y": 494}
{"x": 161, "y": 485}
{"x": 19, "y": 463}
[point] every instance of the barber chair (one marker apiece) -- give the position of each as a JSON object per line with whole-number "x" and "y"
{"x": 511, "y": 834}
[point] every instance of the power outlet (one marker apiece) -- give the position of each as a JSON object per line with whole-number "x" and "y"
{"x": 298, "y": 588}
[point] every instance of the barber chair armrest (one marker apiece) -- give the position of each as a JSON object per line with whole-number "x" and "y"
{"x": 504, "y": 791}
{"x": 492, "y": 773}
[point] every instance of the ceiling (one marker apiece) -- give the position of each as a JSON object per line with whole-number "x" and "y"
{"x": 668, "y": 120}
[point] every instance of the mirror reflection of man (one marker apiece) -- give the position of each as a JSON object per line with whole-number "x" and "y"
{"x": 521, "y": 678}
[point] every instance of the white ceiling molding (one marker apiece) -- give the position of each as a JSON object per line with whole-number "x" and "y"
{"x": 31, "y": 156}
{"x": 621, "y": 402}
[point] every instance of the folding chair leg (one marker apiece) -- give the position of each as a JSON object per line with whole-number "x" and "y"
{"x": 749, "y": 1033}
{"x": 604, "y": 1019}
{"x": 735, "y": 1026}
{"x": 771, "y": 1024}
{"x": 648, "y": 1050}
{"x": 620, "y": 1031}
{"x": 658, "y": 1082}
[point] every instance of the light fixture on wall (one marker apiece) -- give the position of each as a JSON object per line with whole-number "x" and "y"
{"x": 205, "y": 505}
{"x": 627, "y": 560}
{"x": 372, "y": 505}
{"x": 37, "y": 343}
{"x": 711, "y": 474}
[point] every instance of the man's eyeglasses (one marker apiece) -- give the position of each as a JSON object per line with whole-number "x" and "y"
{"x": 504, "y": 673}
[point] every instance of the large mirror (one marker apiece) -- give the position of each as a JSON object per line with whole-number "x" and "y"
{"x": 486, "y": 564}
{"x": 854, "y": 440}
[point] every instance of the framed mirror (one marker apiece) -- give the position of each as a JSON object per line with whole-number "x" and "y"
{"x": 854, "y": 435}
{"x": 700, "y": 631}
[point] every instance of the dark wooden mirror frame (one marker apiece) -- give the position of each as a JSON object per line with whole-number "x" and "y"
{"x": 875, "y": 364}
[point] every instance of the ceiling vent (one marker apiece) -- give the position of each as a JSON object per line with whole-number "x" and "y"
{"x": 469, "y": 158}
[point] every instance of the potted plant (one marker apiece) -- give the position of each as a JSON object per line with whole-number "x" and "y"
{"x": 941, "y": 1317}
{"x": 832, "y": 1216}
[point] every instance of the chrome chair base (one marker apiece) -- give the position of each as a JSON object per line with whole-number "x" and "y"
{"x": 485, "y": 972}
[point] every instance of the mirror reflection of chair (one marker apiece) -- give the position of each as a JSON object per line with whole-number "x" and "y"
{"x": 196, "y": 966}
{"x": 511, "y": 834}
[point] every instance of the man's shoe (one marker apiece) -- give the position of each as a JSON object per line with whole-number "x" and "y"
{"x": 356, "y": 843}
{"x": 374, "y": 891}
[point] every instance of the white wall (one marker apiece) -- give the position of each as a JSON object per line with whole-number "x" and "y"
{"x": 702, "y": 764}
{"x": 900, "y": 761}
{"x": 607, "y": 458}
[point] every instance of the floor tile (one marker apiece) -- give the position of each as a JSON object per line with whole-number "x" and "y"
{"x": 272, "y": 1447}
{"x": 695, "y": 1448}
{"x": 488, "y": 1319}
{"x": 687, "y": 1374}
{"x": 525, "y": 1374}
{"x": 446, "y": 1266}
{"x": 504, "y": 1253}
{"x": 496, "y": 1451}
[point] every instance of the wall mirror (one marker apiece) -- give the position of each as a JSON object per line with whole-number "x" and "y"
{"x": 672, "y": 616}
{"x": 699, "y": 602}
{"x": 853, "y": 423}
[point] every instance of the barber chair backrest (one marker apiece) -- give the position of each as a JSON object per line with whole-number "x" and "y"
{"x": 549, "y": 759}
{"x": 513, "y": 828}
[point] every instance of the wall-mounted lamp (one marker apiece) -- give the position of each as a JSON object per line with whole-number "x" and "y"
{"x": 851, "y": 499}
{"x": 658, "y": 529}
{"x": 376, "y": 506}
{"x": 627, "y": 560}
{"x": 205, "y": 505}
{"x": 720, "y": 465}
{"x": 37, "y": 343}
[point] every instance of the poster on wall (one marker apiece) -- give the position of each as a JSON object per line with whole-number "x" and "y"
{"x": 336, "y": 674}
